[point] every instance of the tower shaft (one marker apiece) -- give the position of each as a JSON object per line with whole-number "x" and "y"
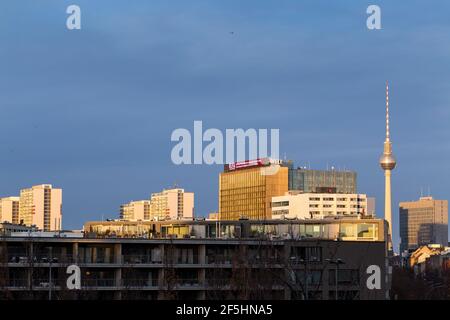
{"x": 387, "y": 205}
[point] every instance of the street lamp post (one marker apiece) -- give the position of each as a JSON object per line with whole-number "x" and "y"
{"x": 305, "y": 278}
{"x": 50, "y": 275}
{"x": 336, "y": 262}
{"x": 306, "y": 275}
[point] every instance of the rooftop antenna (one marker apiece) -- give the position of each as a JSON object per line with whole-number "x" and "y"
{"x": 429, "y": 191}
{"x": 421, "y": 192}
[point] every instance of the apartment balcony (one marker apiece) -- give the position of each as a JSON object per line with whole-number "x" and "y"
{"x": 140, "y": 259}
{"x": 99, "y": 284}
{"x": 39, "y": 260}
{"x": 219, "y": 260}
{"x": 23, "y": 284}
{"x": 182, "y": 259}
{"x": 227, "y": 284}
{"x": 218, "y": 283}
{"x": 136, "y": 284}
{"x": 188, "y": 284}
{"x": 44, "y": 284}
{"x": 97, "y": 260}
{"x": 12, "y": 284}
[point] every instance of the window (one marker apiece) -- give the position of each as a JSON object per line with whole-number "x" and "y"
{"x": 311, "y": 254}
{"x": 366, "y": 230}
{"x": 348, "y": 230}
{"x": 312, "y": 231}
{"x": 313, "y": 277}
{"x": 345, "y": 277}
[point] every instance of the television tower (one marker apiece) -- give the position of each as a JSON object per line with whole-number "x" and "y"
{"x": 387, "y": 163}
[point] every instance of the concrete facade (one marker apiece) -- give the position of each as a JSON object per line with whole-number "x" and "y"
{"x": 423, "y": 222}
{"x": 318, "y": 205}
{"x": 203, "y": 269}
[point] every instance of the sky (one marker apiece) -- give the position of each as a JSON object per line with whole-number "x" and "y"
{"x": 92, "y": 110}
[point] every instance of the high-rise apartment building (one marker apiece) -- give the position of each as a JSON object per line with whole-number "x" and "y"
{"x": 9, "y": 210}
{"x": 41, "y": 206}
{"x": 246, "y": 188}
{"x": 318, "y": 205}
{"x": 174, "y": 204}
{"x": 423, "y": 222}
{"x": 135, "y": 210}
{"x": 335, "y": 181}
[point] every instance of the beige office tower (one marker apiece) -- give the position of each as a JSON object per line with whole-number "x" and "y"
{"x": 423, "y": 222}
{"x": 172, "y": 204}
{"x": 41, "y": 206}
{"x": 387, "y": 163}
{"x": 135, "y": 210}
{"x": 9, "y": 210}
{"x": 246, "y": 188}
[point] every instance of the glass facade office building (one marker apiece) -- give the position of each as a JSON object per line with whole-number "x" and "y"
{"x": 322, "y": 181}
{"x": 246, "y": 193}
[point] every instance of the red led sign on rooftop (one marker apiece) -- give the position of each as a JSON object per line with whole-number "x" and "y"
{"x": 247, "y": 164}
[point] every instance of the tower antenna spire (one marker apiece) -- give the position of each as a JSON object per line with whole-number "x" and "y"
{"x": 387, "y": 111}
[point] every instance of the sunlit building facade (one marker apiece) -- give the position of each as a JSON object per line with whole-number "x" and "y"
{"x": 41, "y": 206}
{"x": 9, "y": 210}
{"x": 423, "y": 222}
{"x": 319, "y": 205}
{"x": 136, "y": 210}
{"x": 172, "y": 204}
{"x": 344, "y": 229}
{"x": 246, "y": 190}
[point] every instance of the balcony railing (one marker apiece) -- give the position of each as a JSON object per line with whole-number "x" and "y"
{"x": 139, "y": 283}
{"x": 17, "y": 283}
{"x": 43, "y": 283}
{"x": 140, "y": 259}
{"x": 98, "y": 259}
{"x": 189, "y": 259}
{"x": 188, "y": 282}
{"x": 98, "y": 283}
{"x": 218, "y": 282}
{"x": 218, "y": 260}
{"x": 22, "y": 259}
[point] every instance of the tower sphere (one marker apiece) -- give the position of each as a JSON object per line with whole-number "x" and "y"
{"x": 387, "y": 162}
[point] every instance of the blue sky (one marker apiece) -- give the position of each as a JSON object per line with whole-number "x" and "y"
{"x": 107, "y": 97}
